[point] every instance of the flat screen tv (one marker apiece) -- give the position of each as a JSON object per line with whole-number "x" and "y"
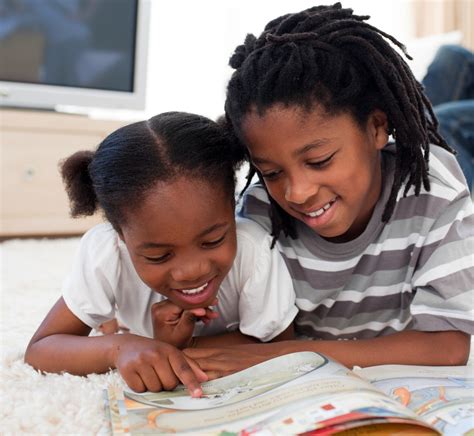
{"x": 85, "y": 53}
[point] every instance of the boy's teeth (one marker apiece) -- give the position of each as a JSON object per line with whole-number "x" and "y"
{"x": 320, "y": 211}
{"x": 193, "y": 291}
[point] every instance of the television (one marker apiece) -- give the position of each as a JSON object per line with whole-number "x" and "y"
{"x": 74, "y": 53}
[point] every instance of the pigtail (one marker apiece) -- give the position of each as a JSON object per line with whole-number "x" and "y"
{"x": 78, "y": 183}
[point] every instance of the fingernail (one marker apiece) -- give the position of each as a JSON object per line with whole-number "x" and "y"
{"x": 196, "y": 393}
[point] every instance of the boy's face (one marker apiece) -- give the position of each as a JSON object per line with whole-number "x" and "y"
{"x": 323, "y": 170}
{"x": 182, "y": 240}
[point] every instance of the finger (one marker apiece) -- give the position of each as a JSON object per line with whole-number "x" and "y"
{"x": 212, "y": 375}
{"x": 166, "y": 375}
{"x": 165, "y": 311}
{"x": 211, "y": 314}
{"x": 198, "y": 312}
{"x": 134, "y": 381}
{"x": 200, "y": 374}
{"x": 150, "y": 379}
{"x": 183, "y": 370}
{"x": 187, "y": 322}
{"x": 202, "y": 353}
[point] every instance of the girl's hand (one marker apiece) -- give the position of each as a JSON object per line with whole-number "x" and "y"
{"x": 148, "y": 364}
{"x": 175, "y": 325}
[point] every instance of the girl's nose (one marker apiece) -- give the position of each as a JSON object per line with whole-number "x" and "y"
{"x": 191, "y": 271}
{"x": 299, "y": 189}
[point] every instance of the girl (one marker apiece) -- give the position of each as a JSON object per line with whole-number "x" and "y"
{"x": 166, "y": 186}
{"x": 378, "y": 236}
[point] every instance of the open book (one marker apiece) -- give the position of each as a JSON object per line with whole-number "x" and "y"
{"x": 305, "y": 393}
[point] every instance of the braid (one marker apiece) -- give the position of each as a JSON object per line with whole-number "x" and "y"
{"x": 328, "y": 56}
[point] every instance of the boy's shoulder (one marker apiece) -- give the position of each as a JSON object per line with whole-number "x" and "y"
{"x": 444, "y": 174}
{"x": 255, "y": 205}
{"x": 444, "y": 170}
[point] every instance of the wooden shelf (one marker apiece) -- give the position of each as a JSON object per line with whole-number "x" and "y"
{"x": 32, "y": 143}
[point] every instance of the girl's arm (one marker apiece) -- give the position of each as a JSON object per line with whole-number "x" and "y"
{"x": 61, "y": 343}
{"x": 406, "y": 348}
{"x": 174, "y": 325}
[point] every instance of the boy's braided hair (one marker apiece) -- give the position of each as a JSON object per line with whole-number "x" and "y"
{"x": 330, "y": 57}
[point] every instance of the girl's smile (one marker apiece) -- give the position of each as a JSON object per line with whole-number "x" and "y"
{"x": 323, "y": 170}
{"x": 198, "y": 296}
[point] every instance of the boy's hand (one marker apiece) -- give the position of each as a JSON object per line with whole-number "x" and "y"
{"x": 148, "y": 364}
{"x": 175, "y": 325}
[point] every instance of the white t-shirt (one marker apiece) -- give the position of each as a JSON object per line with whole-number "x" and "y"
{"x": 256, "y": 297}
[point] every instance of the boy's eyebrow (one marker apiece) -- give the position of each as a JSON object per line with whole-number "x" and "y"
{"x": 299, "y": 152}
{"x": 310, "y": 146}
{"x": 205, "y": 232}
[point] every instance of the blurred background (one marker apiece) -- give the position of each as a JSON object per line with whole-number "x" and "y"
{"x": 182, "y": 45}
{"x": 72, "y": 71}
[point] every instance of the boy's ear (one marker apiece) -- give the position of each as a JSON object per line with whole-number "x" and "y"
{"x": 378, "y": 127}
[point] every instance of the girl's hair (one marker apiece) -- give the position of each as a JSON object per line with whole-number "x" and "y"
{"x": 330, "y": 57}
{"x": 131, "y": 160}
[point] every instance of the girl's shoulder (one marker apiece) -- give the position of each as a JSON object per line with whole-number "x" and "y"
{"x": 100, "y": 234}
{"x": 102, "y": 243}
{"x": 251, "y": 232}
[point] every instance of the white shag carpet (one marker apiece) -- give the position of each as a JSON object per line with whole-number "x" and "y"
{"x": 32, "y": 272}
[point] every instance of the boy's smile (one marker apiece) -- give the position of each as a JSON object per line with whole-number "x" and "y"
{"x": 182, "y": 240}
{"x": 323, "y": 170}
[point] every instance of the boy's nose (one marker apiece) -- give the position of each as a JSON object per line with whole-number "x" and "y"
{"x": 299, "y": 189}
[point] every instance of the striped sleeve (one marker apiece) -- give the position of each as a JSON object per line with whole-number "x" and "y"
{"x": 444, "y": 278}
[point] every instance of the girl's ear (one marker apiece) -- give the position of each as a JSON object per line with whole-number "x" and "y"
{"x": 120, "y": 234}
{"x": 378, "y": 128}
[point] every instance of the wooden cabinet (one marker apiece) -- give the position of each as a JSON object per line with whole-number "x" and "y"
{"x": 33, "y": 201}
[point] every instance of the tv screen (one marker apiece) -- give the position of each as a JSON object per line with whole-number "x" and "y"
{"x": 76, "y": 45}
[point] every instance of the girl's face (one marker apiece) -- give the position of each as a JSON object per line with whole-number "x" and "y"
{"x": 323, "y": 170}
{"x": 182, "y": 240}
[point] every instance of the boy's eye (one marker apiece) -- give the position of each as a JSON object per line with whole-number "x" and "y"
{"x": 321, "y": 163}
{"x": 215, "y": 242}
{"x": 158, "y": 259}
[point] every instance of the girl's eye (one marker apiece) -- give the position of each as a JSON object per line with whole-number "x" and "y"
{"x": 271, "y": 175}
{"x": 158, "y": 259}
{"x": 321, "y": 163}
{"x": 215, "y": 243}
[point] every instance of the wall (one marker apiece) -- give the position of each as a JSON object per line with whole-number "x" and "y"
{"x": 191, "y": 42}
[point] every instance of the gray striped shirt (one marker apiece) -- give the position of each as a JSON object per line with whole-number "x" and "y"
{"x": 414, "y": 272}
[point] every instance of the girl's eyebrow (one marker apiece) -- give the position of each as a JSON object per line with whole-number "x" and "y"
{"x": 205, "y": 232}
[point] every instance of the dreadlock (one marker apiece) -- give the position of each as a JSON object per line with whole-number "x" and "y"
{"x": 328, "y": 56}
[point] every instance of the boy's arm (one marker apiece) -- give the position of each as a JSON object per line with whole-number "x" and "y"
{"x": 406, "y": 348}
{"x": 237, "y": 338}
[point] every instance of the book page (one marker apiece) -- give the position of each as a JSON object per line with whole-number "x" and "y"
{"x": 443, "y": 396}
{"x": 287, "y": 395}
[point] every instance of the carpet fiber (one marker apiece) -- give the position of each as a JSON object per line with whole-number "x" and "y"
{"x": 32, "y": 272}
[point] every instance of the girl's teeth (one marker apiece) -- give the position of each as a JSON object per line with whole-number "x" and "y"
{"x": 193, "y": 291}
